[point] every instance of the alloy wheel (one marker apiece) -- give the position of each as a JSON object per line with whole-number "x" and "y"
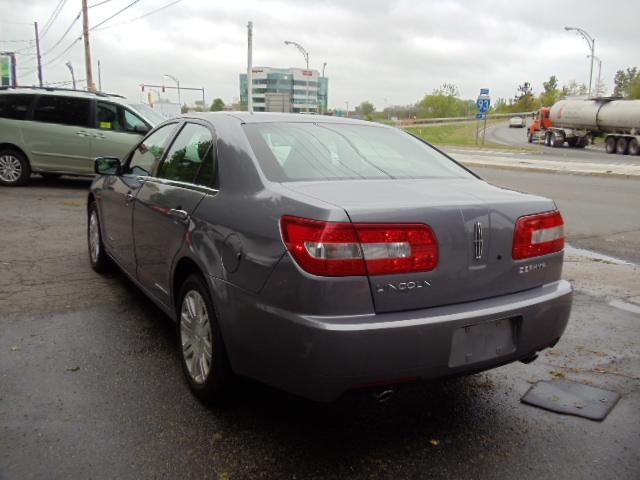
{"x": 94, "y": 237}
{"x": 10, "y": 168}
{"x": 196, "y": 336}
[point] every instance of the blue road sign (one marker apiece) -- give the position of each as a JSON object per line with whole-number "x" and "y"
{"x": 484, "y": 91}
{"x": 480, "y": 116}
{"x": 483, "y": 104}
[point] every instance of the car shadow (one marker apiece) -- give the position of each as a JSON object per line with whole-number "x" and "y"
{"x": 63, "y": 182}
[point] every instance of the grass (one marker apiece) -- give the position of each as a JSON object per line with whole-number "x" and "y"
{"x": 460, "y": 134}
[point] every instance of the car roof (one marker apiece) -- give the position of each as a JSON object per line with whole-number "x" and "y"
{"x": 276, "y": 117}
{"x": 64, "y": 92}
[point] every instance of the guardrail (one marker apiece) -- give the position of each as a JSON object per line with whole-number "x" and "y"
{"x": 427, "y": 121}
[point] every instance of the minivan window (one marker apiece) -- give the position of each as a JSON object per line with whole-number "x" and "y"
{"x": 340, "y": 151}
{"x": 190, "y": 156}
{"x": 15, "y": 106}
{"x": 150, "y": 151}
{"x": 117, "y": 118}
{"x": 62, "y": 110}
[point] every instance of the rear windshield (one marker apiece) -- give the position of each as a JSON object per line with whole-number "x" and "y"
{"x": 334, "y": 151}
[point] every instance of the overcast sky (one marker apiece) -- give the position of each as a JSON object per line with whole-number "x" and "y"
{"x": 375, "y": 49}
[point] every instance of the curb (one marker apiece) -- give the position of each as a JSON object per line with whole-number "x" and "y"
{"x": 548, "y": 169}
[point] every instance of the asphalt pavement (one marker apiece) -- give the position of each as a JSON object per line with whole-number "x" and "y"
{"x": 91, "y": 386}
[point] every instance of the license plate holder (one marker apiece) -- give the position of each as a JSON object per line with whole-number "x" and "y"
{"x": 482, "y": 341}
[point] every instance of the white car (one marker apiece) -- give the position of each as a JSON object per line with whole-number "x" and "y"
{"x": 517, "y": 122}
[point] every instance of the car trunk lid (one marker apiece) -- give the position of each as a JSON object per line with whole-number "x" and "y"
{"x": 474, "y": 225}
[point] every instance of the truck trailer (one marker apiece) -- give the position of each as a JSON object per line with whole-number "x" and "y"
{"x": 575, "y": 121}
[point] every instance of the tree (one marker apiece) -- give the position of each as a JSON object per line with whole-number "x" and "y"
{"x": 443, "y": 102}
{"x": 574, "y": 89}
{"x": 365, "y": 109}
{"x": 624, "y": 80}
{"x": 551, "y": 92}
{"x": 217, "y": 105}
{"x": 524, "y": 101}
{"x": 634, "y": 88}
{"x": 184, "y": 108}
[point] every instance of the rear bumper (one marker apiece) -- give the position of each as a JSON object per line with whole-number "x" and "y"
{"x": 321, "y": 357}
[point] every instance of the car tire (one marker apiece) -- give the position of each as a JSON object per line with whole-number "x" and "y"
{"x": 610, "y": 144}
{"x": 622, "y": 146}
{"x": 202, "y": 352}
{"x": 14, "y": 168}
{"x": 100, "y": 261}
{"x": 634, "y": 147}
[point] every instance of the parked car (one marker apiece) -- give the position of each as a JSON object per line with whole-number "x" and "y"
{"x": 517, "y": 122}
{"x": 323, "y": 254}
{"x": 54, "y": 132}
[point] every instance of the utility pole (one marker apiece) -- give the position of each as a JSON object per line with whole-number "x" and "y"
{"x": 35, "y": 24}
{"x": 73, "y": 77}
{"x": 250, "y": 67}
{"x": 87, "y": 49}
{"x": 99, "y": 77}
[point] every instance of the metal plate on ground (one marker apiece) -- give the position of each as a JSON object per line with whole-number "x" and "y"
{"x": 483, "y": 341}
{"x": 571, "y": 398}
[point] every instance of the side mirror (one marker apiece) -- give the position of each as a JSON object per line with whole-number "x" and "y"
{"x": 141, "y": 129}
{"x": 107, "y": 166}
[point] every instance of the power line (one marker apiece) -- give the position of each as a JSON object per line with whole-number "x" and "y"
{"x": 115, "y": 14}
{"x": 141, "y": 16}
{"x": 52, "y": 18}
{"x": 99, "y": 3}
{"x": 63, "y": 35}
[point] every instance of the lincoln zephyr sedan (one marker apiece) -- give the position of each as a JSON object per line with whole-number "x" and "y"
{"x": 321, "y": 255}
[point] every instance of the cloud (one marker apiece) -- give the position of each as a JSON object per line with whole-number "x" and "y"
{"x": 374, "y": 49}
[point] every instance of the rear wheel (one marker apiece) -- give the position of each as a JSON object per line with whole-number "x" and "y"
{"x": 547, "y": 139}
{"x": 610, "y": 144}
{"x": 622, "y": 145}
{"x": 202, "y": 352}
{"x": 98, "y": 258}
{"x": 14, "y": 168}
{"x": 572, "y": 142}
{"x": 634, "y": 147}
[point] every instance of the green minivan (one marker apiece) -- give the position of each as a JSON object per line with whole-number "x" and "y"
{"x": 55, "y": 132}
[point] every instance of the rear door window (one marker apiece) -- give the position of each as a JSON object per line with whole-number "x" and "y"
{"x": 15, "y": 107}
{"x": 191, "y": 157}
{"x": 63, "y": 110}
{"x": 150, "y": 151}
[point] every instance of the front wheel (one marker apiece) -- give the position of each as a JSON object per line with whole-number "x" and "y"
{"x": 202, "y": 351}
{"x": 14, "y": 168}
{"x": 97, "y": 256}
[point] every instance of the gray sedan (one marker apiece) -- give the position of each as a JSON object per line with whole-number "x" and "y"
{"x": 321, "y": 255}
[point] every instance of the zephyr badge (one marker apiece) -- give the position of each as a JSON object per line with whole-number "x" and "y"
{"x": 478, "y": 243}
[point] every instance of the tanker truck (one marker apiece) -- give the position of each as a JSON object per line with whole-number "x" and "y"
{"x": 575, "y": 121}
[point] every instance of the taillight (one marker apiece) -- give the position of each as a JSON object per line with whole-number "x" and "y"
{"x": 538, "y": 234}
{"x": 343, "y": 248}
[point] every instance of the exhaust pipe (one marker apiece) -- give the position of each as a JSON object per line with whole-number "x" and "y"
{"x": 383, "y": 395}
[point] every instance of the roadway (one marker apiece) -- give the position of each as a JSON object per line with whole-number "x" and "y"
{"x": 91, "y": 386}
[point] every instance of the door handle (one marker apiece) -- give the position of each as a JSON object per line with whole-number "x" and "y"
{"x": 129, "y": 196}
{"x": 178, "y": 214}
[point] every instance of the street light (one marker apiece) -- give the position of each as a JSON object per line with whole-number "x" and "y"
{"x": 305, "y": 54}
{"x": 73, "y": 77}
{"x": 599, "y": 70}
{"x": 177, "y": 83}
{"x": 592, "y": 45}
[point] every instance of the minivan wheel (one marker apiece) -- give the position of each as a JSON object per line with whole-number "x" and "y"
{"x": 97, "y": 256}
{"x": 14, "y": 168}
{"x": 202, "y": 352}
